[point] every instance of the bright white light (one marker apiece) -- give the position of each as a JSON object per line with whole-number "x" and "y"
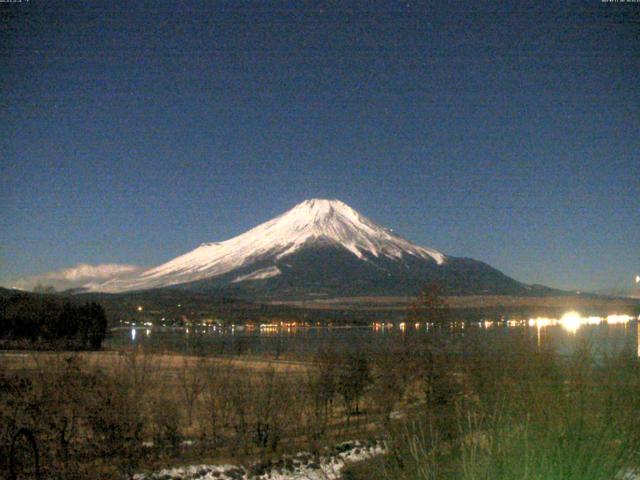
{"x": 133, "y": 334}
{"x": 571, "y": 321}
{"x": 541, "y": 322}
{"x": 592, "y": 320}
{"x": 615, "y": 319}
{"x": 637, "y": 278}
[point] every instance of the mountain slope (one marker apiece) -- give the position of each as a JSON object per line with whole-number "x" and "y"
{"x": 332, "y": 271}
{"x": 319, "y": 247}
{"x": 310, "y": 222}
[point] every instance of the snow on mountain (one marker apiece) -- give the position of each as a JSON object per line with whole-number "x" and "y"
{"x": 259, "y": 274}
{"x": 312, "y": 221}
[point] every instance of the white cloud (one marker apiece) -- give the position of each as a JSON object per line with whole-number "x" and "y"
{"x": 77, "y": 276}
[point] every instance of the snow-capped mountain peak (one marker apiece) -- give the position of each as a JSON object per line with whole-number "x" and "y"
{"x": 312, "y": 221}
{"x": 336, "y": 221}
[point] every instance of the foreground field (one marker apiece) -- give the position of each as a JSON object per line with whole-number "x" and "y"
{"x": 24, "y": 361}
{"x": 112, "y": 414}
{"x": 446, "y": 406}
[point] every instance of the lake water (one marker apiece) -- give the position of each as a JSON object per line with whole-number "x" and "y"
{"x": 603, "y": 334}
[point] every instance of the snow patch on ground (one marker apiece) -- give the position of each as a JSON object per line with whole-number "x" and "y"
{"x": 303, "y": 465}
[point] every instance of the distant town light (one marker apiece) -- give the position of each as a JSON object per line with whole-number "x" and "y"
{"x": 571, "y": 321}
{"x": 637, "y": 278}
{"x": 139, "y": 308}
{"x": 615, "y": 319}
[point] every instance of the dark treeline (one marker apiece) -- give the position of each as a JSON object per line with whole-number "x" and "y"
{"x": 52, "y": 322}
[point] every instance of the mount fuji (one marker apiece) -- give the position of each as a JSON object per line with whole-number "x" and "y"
{"x": 319, "y": 248}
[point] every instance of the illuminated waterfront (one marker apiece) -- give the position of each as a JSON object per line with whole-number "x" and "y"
{"x": 603, "y": 333}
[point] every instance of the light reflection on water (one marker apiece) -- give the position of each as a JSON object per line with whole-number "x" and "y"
{"x": 572, "y": 321}
{"x": 606, "y": 333}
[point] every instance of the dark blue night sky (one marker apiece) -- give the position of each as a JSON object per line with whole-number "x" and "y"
{"x": 507, "y": 132}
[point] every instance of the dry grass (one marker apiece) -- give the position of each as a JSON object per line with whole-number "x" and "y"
{"x": 26, "y": 360}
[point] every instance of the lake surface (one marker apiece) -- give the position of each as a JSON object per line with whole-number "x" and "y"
{"x": 603, "y": 334}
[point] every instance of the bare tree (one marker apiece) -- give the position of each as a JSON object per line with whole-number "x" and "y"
{"x": 430, "y": 306}
{"x": 354, "y": 377}
{"x": 389, "y": 381}
{"x": 191, "y": 385}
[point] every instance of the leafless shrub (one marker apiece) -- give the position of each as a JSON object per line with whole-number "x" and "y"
{"x": 271, "y": 402}
{"x": 14, "y": 392}
{"x": 353, "y": 378}
{"x": 115, "y": 411}
{"x": 191, "y": 384}
{"x": 389, "y": 381}
{"x": 216, "y": 405}
{"x": 240, "y": 414}
{"x": 165, "y": 423}
{"x": 61, "y": 388}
